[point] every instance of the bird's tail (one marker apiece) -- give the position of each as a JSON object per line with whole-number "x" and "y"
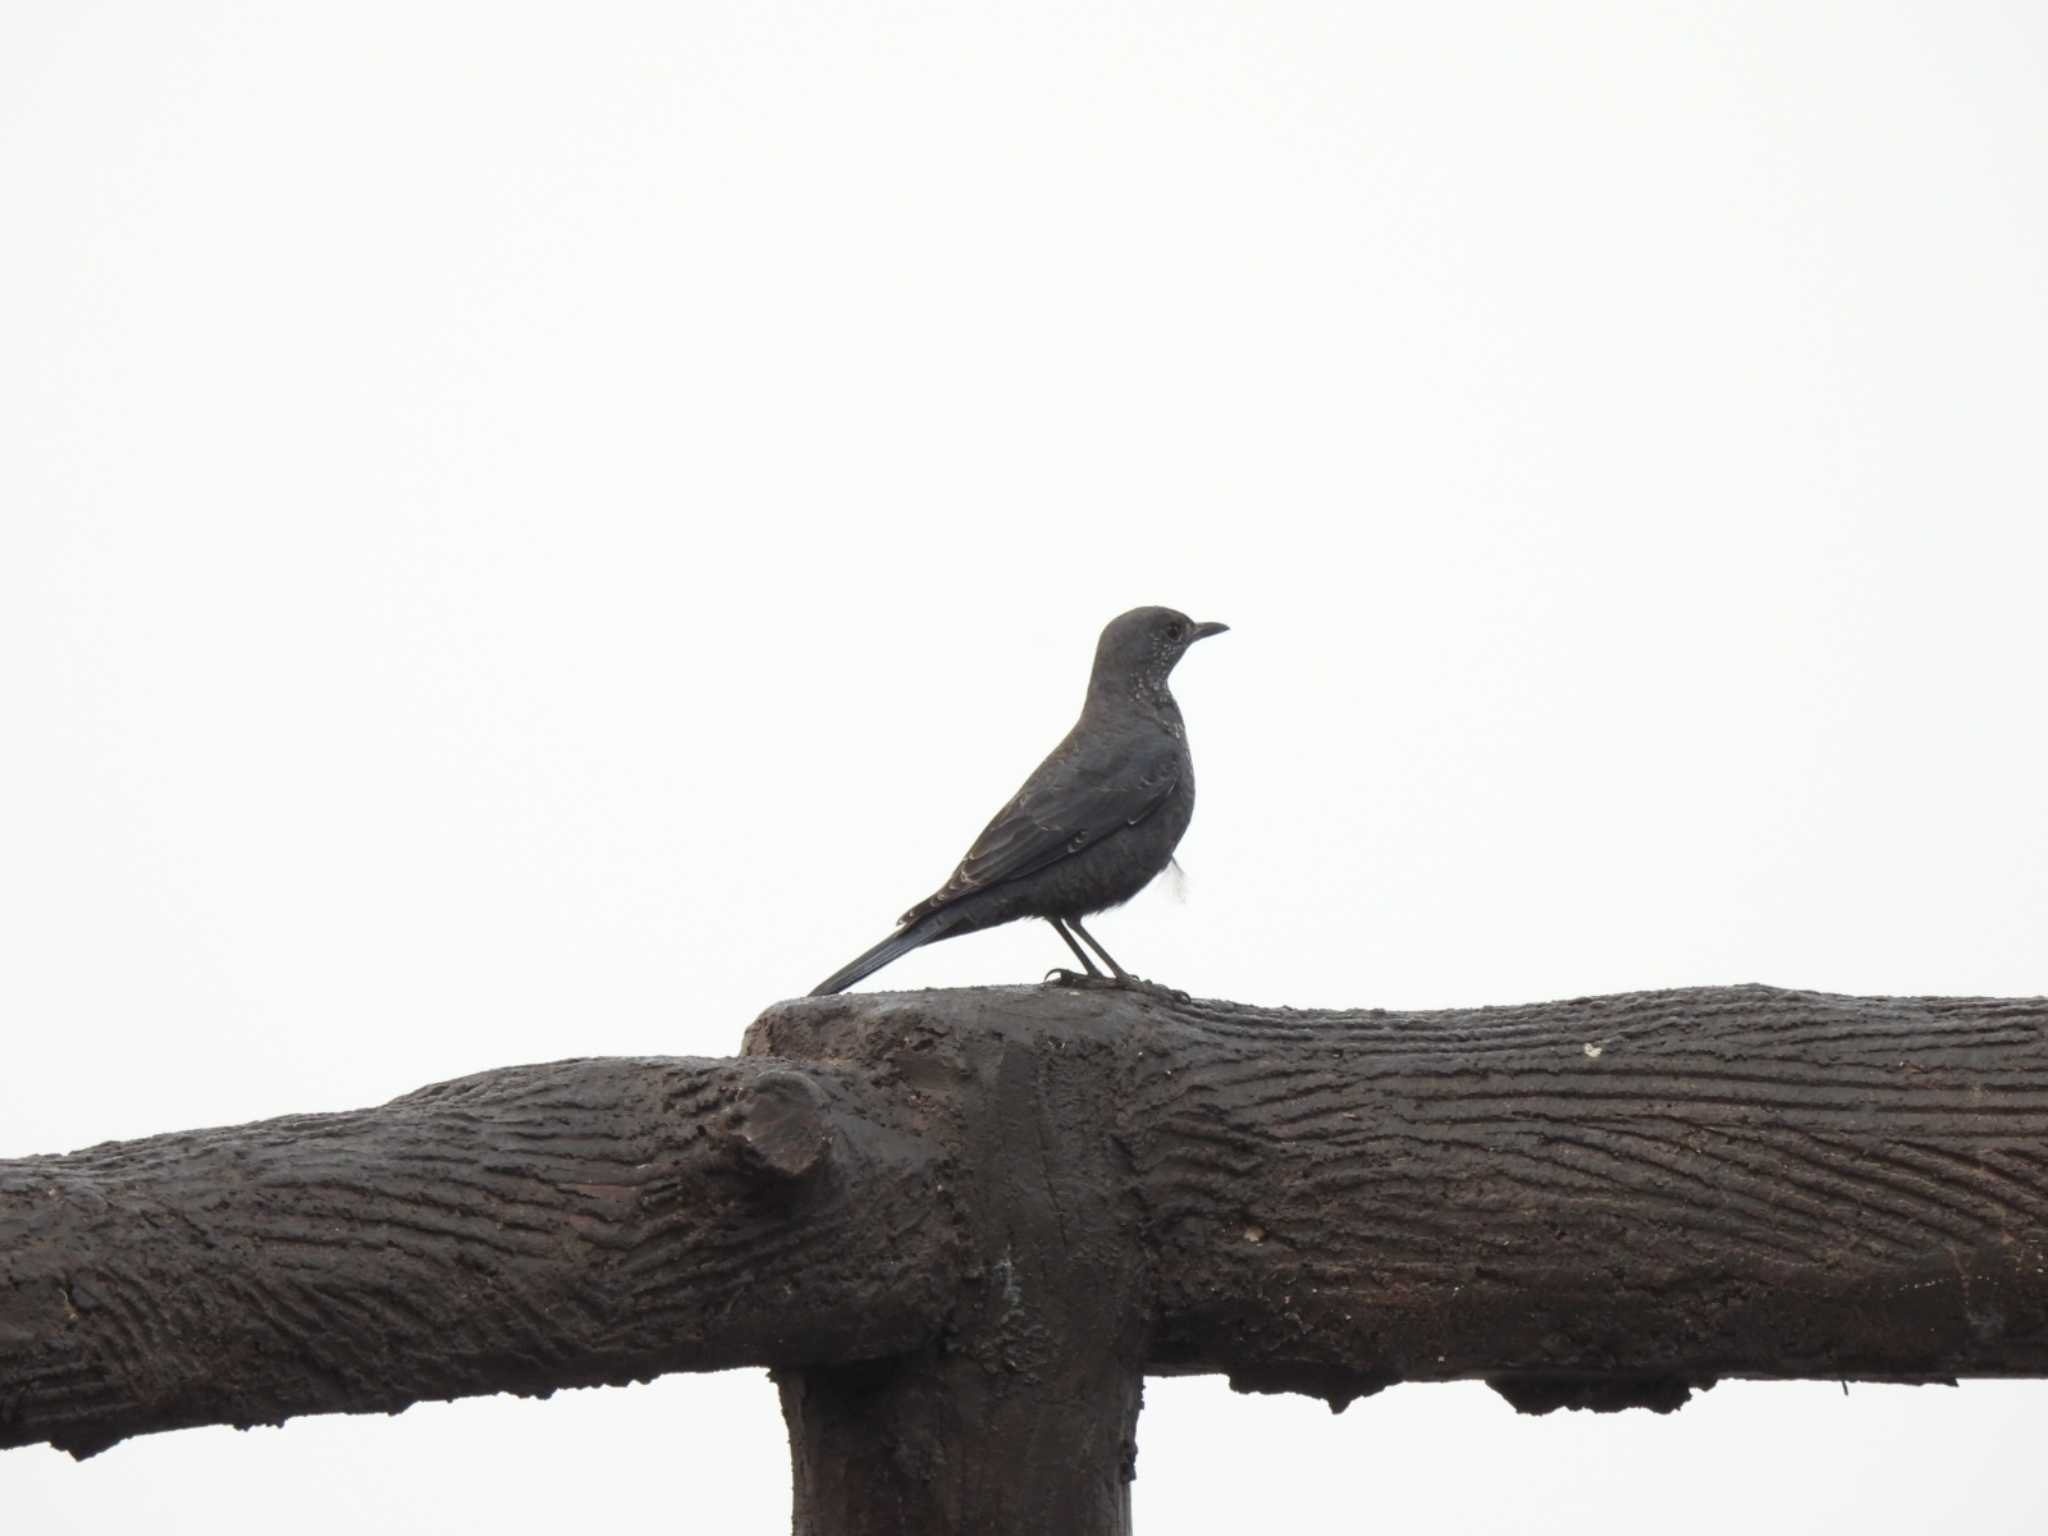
{"x": 933, "y": 925}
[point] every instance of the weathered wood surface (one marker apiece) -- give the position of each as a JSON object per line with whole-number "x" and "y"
{"x": 1022, "y": 1415}
{"x": 567, "y": 1225}
{"x": 961, "y": 1226}
{"x": 1602, "y": 1201}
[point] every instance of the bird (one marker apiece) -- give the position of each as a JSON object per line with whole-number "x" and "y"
{"x": 1092, "y": 825}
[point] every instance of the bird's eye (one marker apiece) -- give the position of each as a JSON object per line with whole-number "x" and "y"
{"x": 1173, "y": 631}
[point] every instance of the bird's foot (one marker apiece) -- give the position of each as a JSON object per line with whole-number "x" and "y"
{"x": 1157, "y": 989}
{"x": 1060, "y": 976}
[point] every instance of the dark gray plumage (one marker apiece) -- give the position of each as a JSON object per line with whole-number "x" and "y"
{"x": 1091, "y": 827}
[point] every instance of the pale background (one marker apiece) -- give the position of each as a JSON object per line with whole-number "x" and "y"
{"x": 536, "y": 531}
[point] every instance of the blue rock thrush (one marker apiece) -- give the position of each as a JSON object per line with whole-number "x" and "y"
{"x": 1091, "y": 827}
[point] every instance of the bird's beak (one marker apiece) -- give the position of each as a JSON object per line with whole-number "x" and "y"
{"x": 1204, "y": 631}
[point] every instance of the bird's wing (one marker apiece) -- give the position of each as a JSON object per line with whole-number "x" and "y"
{"x": 1067, "y": 805}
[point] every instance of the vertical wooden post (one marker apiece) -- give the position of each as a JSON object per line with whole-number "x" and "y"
{"x": 1023, "y": 1417}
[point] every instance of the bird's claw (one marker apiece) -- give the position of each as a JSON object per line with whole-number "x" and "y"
{"x": 1060, "y": 976}
{"x": 1158, "y": 989}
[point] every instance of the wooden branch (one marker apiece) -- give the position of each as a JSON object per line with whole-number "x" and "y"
{"x": 1603, "y": 1202}
{"x": 962, "y": 1226}
{"x": 566, "y": 1225}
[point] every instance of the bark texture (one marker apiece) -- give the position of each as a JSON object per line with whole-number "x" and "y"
{"x": 566, "y": 1225}
{"x": 1602, "y": 1202}
{"x": 1022, "y": 1416}
{"x": 962, "y": 1226}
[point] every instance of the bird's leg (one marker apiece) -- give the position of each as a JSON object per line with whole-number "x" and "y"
{"x": 1123, "y": 977}
{"x": 1066, "y": 977}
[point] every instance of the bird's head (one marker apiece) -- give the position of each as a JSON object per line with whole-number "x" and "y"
{"x": 1143, "y": 645}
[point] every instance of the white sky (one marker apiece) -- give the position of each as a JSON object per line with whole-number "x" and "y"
{"x": 536, "y": 531}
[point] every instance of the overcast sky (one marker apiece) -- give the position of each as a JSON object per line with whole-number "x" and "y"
{"x": 535, "y": 531}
